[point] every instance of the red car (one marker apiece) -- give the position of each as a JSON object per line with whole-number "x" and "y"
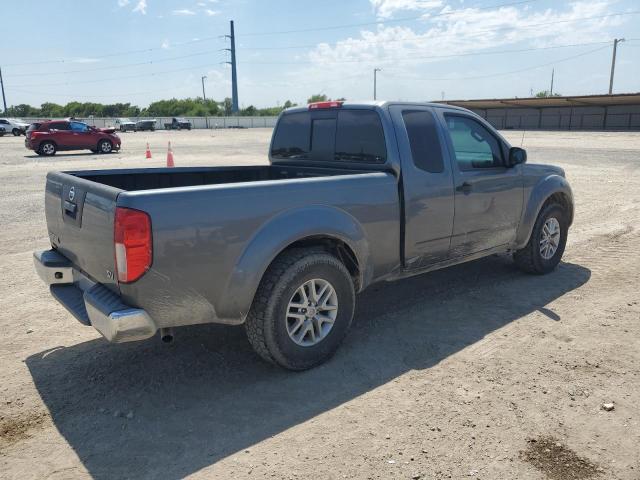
{"x": 46, "y": 138}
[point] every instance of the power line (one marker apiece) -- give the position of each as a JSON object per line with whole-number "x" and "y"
{"x": 503, "y": 74}
{"x": 476, "y": 33}
{"x": 479, "y": 32}
{"x": 147, "y": 50}
{"x": 381, "y": 22}
{"x": 605, "y": 43}
{"x": 208, "y": 65}
{"x": 329, "y": 27}
{"x": 113, "y": 67}
{"x": 453, "y": 55}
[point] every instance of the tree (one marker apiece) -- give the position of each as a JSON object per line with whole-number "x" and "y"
{"x": 318, "y": 97}
{"x": 228, "y": 105}
{"x": 249, "y": 111}
{"x": 546, "y": 93}
{"x": 51, "y": 110}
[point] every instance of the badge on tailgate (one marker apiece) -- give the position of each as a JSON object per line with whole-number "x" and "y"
{"x": 72, "y": 200}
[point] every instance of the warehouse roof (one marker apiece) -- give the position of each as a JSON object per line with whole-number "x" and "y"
{"x": 564, "y": 101}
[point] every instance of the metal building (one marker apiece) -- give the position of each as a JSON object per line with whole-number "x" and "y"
{"x": 586, "y": 112}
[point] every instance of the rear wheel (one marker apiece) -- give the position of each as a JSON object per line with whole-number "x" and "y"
{"x": 302, "y": 309}
{"x": 105, "y": 146}
{"x": 16, "y": 132}
{"x": 47, "y": 149}
{"x": 547, "y": 242}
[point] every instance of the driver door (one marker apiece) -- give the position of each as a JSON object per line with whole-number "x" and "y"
{"x": 81, "y": 135}
{"x": 488, "y": 196}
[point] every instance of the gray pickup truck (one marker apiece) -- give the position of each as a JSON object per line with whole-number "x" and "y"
{"x": 355, "y": 193}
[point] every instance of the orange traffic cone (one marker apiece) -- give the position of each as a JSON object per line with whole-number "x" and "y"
{"x": 170, "y": 157}
{"x": 148, "y": 152}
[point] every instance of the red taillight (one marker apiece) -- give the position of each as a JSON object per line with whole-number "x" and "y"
{"x": 331, "y": 104}
{"x": 133, "y": 245}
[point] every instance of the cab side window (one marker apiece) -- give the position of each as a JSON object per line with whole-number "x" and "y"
{"x": 474, "y": 146}
{"x": 423, "y": 139}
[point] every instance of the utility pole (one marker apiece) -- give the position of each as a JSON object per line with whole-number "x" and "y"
{"x": 234, "y": 77}
{"x": 4, "y": 100}
{"x": 553, "y": 71}
{"x": 613, "y": 62}
{"x": 204, "y": 100}
{"x": 375, "y": 81}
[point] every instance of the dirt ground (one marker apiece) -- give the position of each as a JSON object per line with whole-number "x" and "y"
{"x": 478, "y": 371}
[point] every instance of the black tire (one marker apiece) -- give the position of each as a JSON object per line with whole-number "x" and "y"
{"x": 47, "y": 149}
{"x": 16, "y": 132}
{"x": 105, "y": 146}
{"x": 266, "y": 324}
{"x": 530, "y": 259}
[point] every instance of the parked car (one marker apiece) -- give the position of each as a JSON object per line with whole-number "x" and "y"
{"x": 178, "y": 123}
{"x": 142, "y": 125}
{"x": 14, "y": 125}
{"x": 125, "y": 125}
{"x": 46, "y": 138}
{"x": 355, "y": 193}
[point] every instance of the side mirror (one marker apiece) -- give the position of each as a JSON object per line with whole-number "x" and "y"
{"x": 517, "y": 156}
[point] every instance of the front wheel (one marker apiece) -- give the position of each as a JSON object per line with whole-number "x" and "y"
{"x": 16, "y": 132}
{"x": 105, "y": 146}
{"x": 302, "y": 310}
{"x": 547, "y": 242}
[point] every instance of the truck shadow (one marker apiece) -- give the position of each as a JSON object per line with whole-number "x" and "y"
{"x": 207, "y": 396}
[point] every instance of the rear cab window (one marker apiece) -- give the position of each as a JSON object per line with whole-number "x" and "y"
{"x": 349, "y": 135}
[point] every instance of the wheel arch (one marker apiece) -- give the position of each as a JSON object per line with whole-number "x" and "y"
{"x": 314, "y": 227}
{"x": 553, "y": 188}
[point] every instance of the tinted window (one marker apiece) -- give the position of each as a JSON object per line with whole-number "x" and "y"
{"x": 59, "y": 126}
{"x": 359, "y": 137}
{"x": 4, "y": 122}
{"x": 423, "y": 138}
{"x": 323, "y": 138}
{"x": 474, "y": 146}
{"x": 293, "y": 136}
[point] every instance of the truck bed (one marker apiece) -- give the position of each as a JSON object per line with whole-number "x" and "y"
{"x": 215, "y": 229}
{"x": 152, "y": 178}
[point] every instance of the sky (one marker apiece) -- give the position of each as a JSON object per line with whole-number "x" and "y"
{"x": 139, "y": 51}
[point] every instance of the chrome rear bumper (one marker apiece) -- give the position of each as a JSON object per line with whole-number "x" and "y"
{"x": 92, "y": 303}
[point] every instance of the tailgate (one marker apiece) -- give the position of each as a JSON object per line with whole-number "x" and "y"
{"x": 80, "y": 215}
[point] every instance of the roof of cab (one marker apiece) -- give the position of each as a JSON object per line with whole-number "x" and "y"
{"x": 378, "y": 104}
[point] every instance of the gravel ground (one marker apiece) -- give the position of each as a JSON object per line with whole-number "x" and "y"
{"x": 476, "y": 371}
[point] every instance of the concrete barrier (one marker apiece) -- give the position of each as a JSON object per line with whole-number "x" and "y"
{"x": 196, "y": 122}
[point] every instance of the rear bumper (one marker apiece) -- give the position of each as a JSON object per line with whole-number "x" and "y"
{"x": 92, "y": 303}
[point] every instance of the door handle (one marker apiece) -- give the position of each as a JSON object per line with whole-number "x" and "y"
{"x": 465, "y": 187}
